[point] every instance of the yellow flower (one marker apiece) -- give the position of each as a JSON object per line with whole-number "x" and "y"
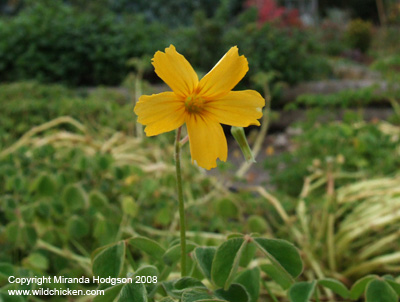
{"x": 202, "y": 105}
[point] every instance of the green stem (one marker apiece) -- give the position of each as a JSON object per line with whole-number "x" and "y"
{"x": 84, "y": 262}
{"x": 270, "y": 293}
{"x": 181, "y": 203}
{"x": 316, "y": 295}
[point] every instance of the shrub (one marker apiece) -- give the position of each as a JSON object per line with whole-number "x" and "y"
{"x": 292, "y": 53}
{"x": 51, "y": 42}
{"x": 359, "y": 35}
{"x": 201, "y": 42}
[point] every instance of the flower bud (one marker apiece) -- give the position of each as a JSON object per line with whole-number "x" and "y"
{"x": 240, "y": 137}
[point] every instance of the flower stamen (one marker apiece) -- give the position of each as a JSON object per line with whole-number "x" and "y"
{"x": 194, "y": 104}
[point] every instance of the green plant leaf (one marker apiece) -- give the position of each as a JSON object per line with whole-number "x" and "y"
{"x": 379, "y": 290}
{"x": 7, "y": 298}
{"x": 147, "y": 270}
{"x": 192, "y": 295}
{"x": 173, "y": 254}
{"x": 284, "y": 280}
{"x": 133, "y": 292}
{"x": 74, "y": 197}
{"x": 37, "y": 261}
{"x": 77, "y": 227}
{"x": 98, "y": 200}
{"x": 109, "y": 260}
{"x": 129, "y": 206}
{"x": 148, "y": 246}
{"x": 358, "y": 288}
{"x": 235, "y": 293}
{"x": 168, "y": 299}
{"x": 250, "y": 279}
{"x": 6, "y": 270}
{"x": 109, "y": 294}
{"x": 301, "y": 291}
{"x": 226, "y": 261}
{"x": 257, "y": 224}
{"x": 394, "y": 285}
{"x": 336, "y": 286}
{"x": 45, "y": 185}
{"x": 282, "y": 254}
{"x": 248, "y": 254}
{"x": 226, "y": 208}
{"x": 234, "y": 235}
{"x": 204, "y": 257}
{"x": 186, "y": 283}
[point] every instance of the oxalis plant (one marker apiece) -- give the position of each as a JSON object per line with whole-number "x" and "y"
{"x": 238, "y": 269}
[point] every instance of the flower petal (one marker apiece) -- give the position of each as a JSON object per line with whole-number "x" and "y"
{"x": 237, "y": 108}
{"x": 225, "y": 75}
{"x": 175, "y": 71}
{"x": 161, "y": 112}
{"x": 207, "y": 140}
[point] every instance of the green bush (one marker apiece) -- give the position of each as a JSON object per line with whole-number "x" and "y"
{"x": 346, "y": 146}
{"x": 359, "y": 35}
{"x": 331, "y": 38}
{"x": 201, "y": 42}
{"x": 292, "y": 53}
{"x": 52, "y": 42}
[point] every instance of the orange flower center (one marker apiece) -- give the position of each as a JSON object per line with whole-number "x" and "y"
{"x": 194, "y": 103}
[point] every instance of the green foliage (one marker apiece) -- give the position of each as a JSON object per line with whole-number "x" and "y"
{"x": 359, "y": 35}
{"x": 301, "y": 291}
{"x": 385, "y": 41}
{"x": 97, "y": 43}
{"x": 93, "y": 49}
{"x": 345, "y": 98}
{"x": 331, "y": 36}
{"x": 32, "y": 104}
{"x": 293, "y": 54}
{"x": 257, "y": 224}
{"x": 220, "y": 265}
{"x": 201, "y": 42}
{"x": 76, "y": 206}
{"x": 389, "y": 66}
{"x": 102, "y": 266}
{"x": 376, "y": 289}
{"x": 349, "y": 146}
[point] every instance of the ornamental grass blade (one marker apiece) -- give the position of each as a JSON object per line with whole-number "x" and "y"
{"x": 226, "y": 262}
{"x": 379, "y": 290}
{"x": 336, "y": 286}
{"x": 301, "y": 291}
{"x": 283, "y": 255}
